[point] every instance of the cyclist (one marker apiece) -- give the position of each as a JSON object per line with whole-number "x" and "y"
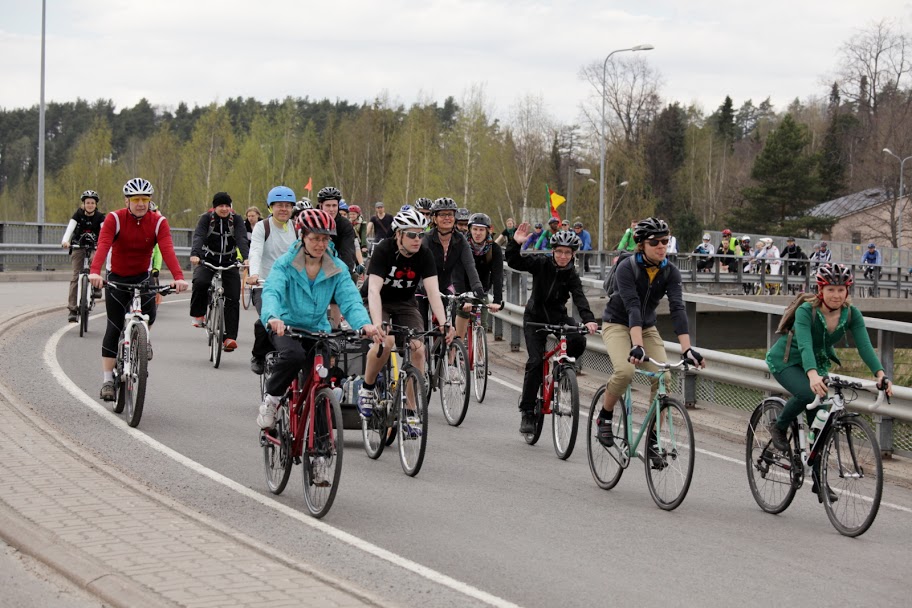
{"x": 629, "y": 321}
{"x": 489, "y": 261}
{"x": 462, "y": 221}
{"x": 300, "y": 286}
{"x": 396, "y": 267}
{"x": 554, "y": 281}
{"x": 343, "y": 209}
{"x": 627, "y": 242}
{"x": 344, "y": 237}
{"x": 872, "y": 260}
{"x": 252, "y": 216}
{"x": 129, "y": 235}
{"x": 801, "y": 360}
{"x": 423, "y": 205}
{"x": 219, "y": 235}
{"x": 360, "y": 228}
{"x": 508, "y": 232}
{"x": 272, "y": 238}
{"x": 544, "y": 241}
{"x": 585, "y": 242}
{"x": 533, "y": 237}
{"x": 380, "y": 225}
{"x": 86, "y": 220}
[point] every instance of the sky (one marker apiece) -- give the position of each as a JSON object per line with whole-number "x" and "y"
{"x": 200, "y": 51}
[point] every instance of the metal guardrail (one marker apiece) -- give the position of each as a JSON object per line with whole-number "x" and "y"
{"x": 733, "y": 380}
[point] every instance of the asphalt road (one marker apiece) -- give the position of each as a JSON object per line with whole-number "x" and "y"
{"x": 487, "y": 513}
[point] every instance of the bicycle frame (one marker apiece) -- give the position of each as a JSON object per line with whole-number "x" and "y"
{"x": 557, "y": 356}
{"x": 134, "y": 316}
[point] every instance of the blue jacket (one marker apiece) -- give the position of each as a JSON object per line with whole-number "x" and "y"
{"x": 874, "y": 258}
{"x": 586, "y": 240}
{"x": 288, "y": 294}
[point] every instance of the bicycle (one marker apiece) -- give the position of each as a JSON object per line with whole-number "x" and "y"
{"x": 246, "y": 290}
{"x": 446, "y": 370}
{"x": 477, "y": 348}
{"x": 308, "y": 429}
{"x": 669, "y": 457}
{"x": 402, "y": 410}
{"x": 844, "y": 452}
{"x": 85, "y": 293}
{"x": 215, "y": 313}
{"x": 131, "y": 368}
{"x": 559, "y": 392}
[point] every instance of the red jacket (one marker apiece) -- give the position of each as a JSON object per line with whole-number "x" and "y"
{"x": 131, "y": 241}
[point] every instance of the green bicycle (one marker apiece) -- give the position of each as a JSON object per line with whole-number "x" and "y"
{"x": 670, "y": 452}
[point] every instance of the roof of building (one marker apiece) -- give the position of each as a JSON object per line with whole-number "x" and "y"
{"x": 853, "y": 203}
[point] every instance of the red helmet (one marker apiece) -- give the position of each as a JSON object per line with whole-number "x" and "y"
{"x": 726, "y": 232}
{"x": 834, "y": 274}
{"x": 316, "y": 221}
{"x": 354, "y": 209}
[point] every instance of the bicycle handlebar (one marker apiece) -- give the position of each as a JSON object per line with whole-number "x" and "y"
{"x": 294, "y": 332}
{"x": 682, "y": 364}
{"x": 838, "y": 383}
{"x": 223, "y": 268}
{"x": 143, "y": 287}
{"x": 559, "y": 329}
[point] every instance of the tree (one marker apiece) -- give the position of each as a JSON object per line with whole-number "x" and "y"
{"x": 665, "y": 154}
{"x": 787, "y": 183}
{"x": 206, "y": 158}
{"x": 631, "y": 90}
{"x": 530, "y": 127}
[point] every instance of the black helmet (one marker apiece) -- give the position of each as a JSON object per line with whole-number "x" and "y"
{"x": 444, "y": 203}
{"x": 649, "y": 228}
{"x": 329, "y": 193}
{"x": 424, "y": 203}
{"x": 480, "y": 219}
{"x": 462, "y": 214}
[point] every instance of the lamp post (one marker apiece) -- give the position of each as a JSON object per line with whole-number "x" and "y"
{"x": 41, "y": 131}
{"x": 899, "y": 228}
{"x": 570, "y": 188}
{"x": 604, "y": 143}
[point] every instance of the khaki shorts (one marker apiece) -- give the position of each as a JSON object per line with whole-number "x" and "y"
{"x": 617, "y": 342}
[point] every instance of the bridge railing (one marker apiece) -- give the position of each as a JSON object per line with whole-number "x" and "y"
{"x": 732, "y": 380}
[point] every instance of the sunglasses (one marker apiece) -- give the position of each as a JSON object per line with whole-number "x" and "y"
{"x": 140, "y": 199}
{"x": 657, "y": 242}
{"x": 412, "y": 235}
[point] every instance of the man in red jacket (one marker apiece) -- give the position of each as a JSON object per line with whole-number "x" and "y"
{"x": 130, "y": 234}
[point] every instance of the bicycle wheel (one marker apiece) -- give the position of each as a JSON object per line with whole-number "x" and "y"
{"x": 246, "y": 290}
{"x": 218, "y": 333}
{"x": 84, "y": 288}
{"x": 375, "y": 430}
{"x": 413, "y": 421}
{"x": 323, "y": 461}
{"x": 669, "y": 476}
{"x": 532, "y": 438}
{"x": 565, "y": 413}
{"x": 454, "y": 383}
{"x": 480, "y": 361}
{"x": 607, "y": 464}
{"x": 768, "y": 471}
{"x": 119, "y": 385}
{"x": 851, "y": 466}
{"x": 135, "y": 382}
{"x": 277, "y": 458}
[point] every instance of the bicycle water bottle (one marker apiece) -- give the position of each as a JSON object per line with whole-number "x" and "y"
{"x": 817, "y": 425}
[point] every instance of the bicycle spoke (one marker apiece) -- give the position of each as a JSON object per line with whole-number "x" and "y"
{"x": 669, "y": 454}
{"x": 851, "y": 467}
{"x": 769, "y": 472}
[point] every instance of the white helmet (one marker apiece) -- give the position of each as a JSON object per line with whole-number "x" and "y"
{"x": 409, "y": 217}
{"x": 138, "y": 186}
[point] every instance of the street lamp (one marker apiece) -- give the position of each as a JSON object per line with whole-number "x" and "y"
{"x": 570, "y": 188}
{"x": 899, "y": 228}
{"x": 604, "y": 143}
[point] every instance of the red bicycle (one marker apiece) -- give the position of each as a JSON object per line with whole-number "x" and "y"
{"x": 308, "y": 429}
{"x": 477, "y": 346}
{"x": 559, "y": 392}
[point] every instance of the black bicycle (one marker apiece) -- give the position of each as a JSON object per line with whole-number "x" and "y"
{"x": 215, "y": 313}
{"x": 85, "y": 293}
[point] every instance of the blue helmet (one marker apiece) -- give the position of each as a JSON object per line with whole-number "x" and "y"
{"x": 281, "y": 194}
{"x": 343, "y": 206}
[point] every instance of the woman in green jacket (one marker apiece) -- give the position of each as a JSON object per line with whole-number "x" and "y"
{"x": 800, "y": 364}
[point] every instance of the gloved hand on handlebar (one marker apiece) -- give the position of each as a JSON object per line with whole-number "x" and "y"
{"x": 885, "y": 385}
{"x": 637, "y": 355}
{"x": 693, "y": 357}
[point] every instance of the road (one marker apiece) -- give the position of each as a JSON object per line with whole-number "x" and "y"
{"x": 489, "y": 520}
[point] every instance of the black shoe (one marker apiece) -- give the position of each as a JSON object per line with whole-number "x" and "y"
{"x": 655, "y": 459}
{"x": 780, "y": 441}
{"x": 605, "y": 435}
{"x": 527, "y": 426}
{"x": 96, "y": 293}
{"x": 107, "y": 391}
{"x": 72, "y": 317}
{"x": 257, "y": 365}
{"x": 830, "y": 493}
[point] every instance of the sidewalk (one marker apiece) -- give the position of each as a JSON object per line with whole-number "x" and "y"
{"x": 124, "y": 543}
{"x": 728, "y": 423}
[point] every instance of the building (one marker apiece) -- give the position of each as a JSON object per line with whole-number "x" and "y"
{"x": 867, "y": 216}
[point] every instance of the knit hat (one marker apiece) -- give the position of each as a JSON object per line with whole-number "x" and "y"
{"x": 221, "y": 198}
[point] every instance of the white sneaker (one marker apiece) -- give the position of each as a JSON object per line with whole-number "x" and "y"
{"x": 318, "y": 468}
{"x": 367, "y": 401}
{"x": 454, "y": 374}
{"x": 266, "y": 419}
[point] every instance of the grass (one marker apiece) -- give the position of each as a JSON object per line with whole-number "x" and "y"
{"x": 852, "y": 365}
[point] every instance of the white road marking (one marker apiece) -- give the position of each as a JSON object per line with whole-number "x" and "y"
{"x": 50, "y": 358}
{"x": 736, "y": 461}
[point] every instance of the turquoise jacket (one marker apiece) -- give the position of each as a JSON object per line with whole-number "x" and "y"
{"x": 813, "y": 347}
{"x": 289, "y": 295}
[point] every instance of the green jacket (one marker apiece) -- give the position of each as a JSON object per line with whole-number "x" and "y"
{"x": 544, "y": 241}
{"x": 156, "y": 258}
{"x": 627, "y": 243}
{"x": 813, "y": 347}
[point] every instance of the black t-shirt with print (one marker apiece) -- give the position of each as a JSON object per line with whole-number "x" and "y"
{"x": 401, "y": 274}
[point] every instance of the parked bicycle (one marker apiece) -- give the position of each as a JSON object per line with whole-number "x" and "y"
{"x": 842, "y": 456}
{"x": 131, "y": 368}
{"x": 559, "y": 392}
{"x": 402, "y": 410}
{"x": 215, "y": 313}
{"x": 85, "y": 293}
{"x": 669, "y": 451}
{"x": 308, "y": 429}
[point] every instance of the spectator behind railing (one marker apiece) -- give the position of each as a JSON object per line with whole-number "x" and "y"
{"x": 795, "y": 257}
{"x": 705, "y": 251}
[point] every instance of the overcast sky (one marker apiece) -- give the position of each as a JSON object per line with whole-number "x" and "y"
{"x": 201, "y": 51}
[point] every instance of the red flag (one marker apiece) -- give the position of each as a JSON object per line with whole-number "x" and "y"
{"x": 309, "y": 187}
{"x": 556, "y": 201}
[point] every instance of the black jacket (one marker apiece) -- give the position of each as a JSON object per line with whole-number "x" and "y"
{"x": 458, "y": 268}
{"x": 216, "y": 239}
{"x": 344, "y": 241}
{"x": 636, "y": 300}
{"x": 491, "y": 273}
{"x": 552, "y": 287}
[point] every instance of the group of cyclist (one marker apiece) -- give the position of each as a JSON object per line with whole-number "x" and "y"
{"x": 307, "y": 261}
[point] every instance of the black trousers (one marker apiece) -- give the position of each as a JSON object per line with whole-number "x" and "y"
{"x": 293, "y": 355}
{"x": 262, "y": 345}
{"x": 117, "y": 303}
{"x": 199, "y": 298}
{"x": 536, "y": 342}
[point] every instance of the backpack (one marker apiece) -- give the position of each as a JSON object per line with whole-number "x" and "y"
{"x": 788, "y": 319}
{"x": 212, "y": 217}
{"x": 610, "y": 283}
